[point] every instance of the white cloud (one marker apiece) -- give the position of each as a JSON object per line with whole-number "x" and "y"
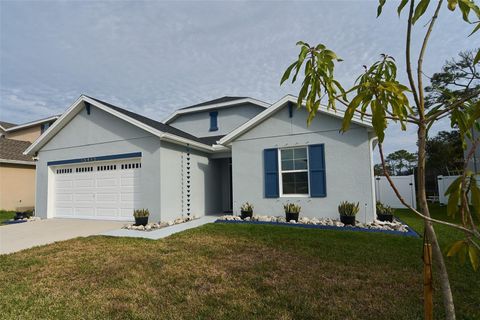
{"x": 154, "y": 57}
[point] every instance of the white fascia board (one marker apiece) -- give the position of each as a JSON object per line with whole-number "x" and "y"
{"x": 74, "y": 108}
{"x": 53, "y": 129}
{"x": 30, "y": 124}
{"x": 252, "y": 122}
{"x": 215, "y": 106}
{"x": 30, "y": 163}
{"x": 122, "y": 116}
{"x": 220, "y": 148}
{"x": 274, "y": 108}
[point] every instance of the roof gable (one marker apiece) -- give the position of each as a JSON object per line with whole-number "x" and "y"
{"x": 274, "y": 108}
{"x": 158, "y": 129}
{"x": 150, "y": 122}
{"x": 219, "y": 103}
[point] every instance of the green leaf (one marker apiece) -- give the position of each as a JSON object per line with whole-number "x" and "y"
{"x": 347, "y": 117}
{"x": 420, "y": 10}
{"x": 473, "y": 254}
{"x": 452, "y": 4}
{"x": 453, "y": 192}
{"x": 286, "y": 75}
{"x": 455, "y": 248}
{"x": 475, "y": 195}
{"x": 378, "y": 119}
{"x": 465, "y": 9}
{"x": 477, "y": 56}
{"x": 401, "y": 6}
{"x": 381, "y": 3}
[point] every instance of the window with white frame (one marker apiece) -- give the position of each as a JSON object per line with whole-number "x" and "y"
{"x": 294, "y": 171}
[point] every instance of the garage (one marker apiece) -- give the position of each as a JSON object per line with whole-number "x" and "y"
{"x": 104, "y": 190}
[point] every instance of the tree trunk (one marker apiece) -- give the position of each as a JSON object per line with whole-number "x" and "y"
{"x": 437, "y": 252}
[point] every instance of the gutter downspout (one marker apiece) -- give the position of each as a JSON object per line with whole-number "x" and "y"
{"x": 372, "y": 143}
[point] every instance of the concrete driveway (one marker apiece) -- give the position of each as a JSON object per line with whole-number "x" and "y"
{"x": 16, "y": 237}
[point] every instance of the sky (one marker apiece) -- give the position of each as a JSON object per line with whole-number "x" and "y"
{"x": 153, "y": 57}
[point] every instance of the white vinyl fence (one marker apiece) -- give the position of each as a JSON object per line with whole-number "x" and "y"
{"x": 405, "y": 185}
{"x": 443, "y": 183}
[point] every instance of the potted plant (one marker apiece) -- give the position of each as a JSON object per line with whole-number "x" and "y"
{"x": 348, "y": 211}
{"x": 384, "y": 213}
{"x": 246, "y": 210}
{"x": 141, "y": 217}
{"x": 291, "y": 211}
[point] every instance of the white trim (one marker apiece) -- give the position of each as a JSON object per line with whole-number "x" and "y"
{"x": 77, "y": 105}
{"x": 17, "y": 162}
{"x": 280, "y": 171}
{"x": 372, "y": 177}
{"x": 176, "y": 113}
{"x": 262, "y": 116}
{"x": 31, "y": 124}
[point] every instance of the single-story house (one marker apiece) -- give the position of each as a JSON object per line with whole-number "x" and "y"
{"x": 17, "y": 171}
{"x": 99, "y": 161}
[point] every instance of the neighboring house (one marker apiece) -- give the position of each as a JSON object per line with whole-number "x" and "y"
{"x": 29, "y": 131}
{"x": 4, "y": 126}
{"x": 99, "y": 161}
{"x": 17, "y": 171}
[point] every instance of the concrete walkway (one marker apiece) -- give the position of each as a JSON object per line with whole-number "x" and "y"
{"x": 161, "y": 233}
{"x": 19, "y": 236}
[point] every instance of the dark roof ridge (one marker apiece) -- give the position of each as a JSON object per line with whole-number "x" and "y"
{"x": 214, "y": 101}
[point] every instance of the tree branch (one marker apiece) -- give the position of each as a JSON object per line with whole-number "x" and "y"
{"x": 407, "y": 50}
{"x": 402, "y": 200}
{"x": 421, "y": 107}
{"x": 454, "y": 105}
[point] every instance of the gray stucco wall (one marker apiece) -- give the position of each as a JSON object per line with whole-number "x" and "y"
{"x": 347, "y": 158}
{"x": 204, "y": 182}
{"x": 198, "y": 123}
{"x": 100, "y": 134}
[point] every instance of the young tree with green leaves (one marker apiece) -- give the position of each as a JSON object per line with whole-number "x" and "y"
{"x": 379, "y": 97}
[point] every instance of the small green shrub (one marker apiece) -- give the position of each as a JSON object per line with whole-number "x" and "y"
{"x": 385, "y": 210}
{"x": 348, "y": 208}
{"x": 141, "y": 213}
{"x": 291, "y": 208}
{"x": 247, "y": 207}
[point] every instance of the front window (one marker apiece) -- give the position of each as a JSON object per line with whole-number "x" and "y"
{"x": 294, "y": 171}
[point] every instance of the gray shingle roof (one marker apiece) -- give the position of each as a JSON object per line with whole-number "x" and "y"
{"x": 150, "y": 122}
{"x": 211, "y": 140}
{"x": 6, "y": 125}
{"x": 13, "y": 150}
{"x": 219, "y": 100}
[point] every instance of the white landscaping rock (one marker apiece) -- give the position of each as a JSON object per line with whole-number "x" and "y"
{"x": 162, "y": 224}
{"x": 375, "y": 225}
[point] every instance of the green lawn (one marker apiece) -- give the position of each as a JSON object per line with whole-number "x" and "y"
{"x": 6, "y": 215}
{"x": 227, "y": 271}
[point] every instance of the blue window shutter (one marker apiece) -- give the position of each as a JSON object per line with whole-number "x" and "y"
{"x": 316, "y": 166}
{"x": 214, "y": 121}
{"x": 270, "y": 167}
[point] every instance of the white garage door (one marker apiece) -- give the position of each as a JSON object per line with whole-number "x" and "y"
{"x": 97, "y": 190}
